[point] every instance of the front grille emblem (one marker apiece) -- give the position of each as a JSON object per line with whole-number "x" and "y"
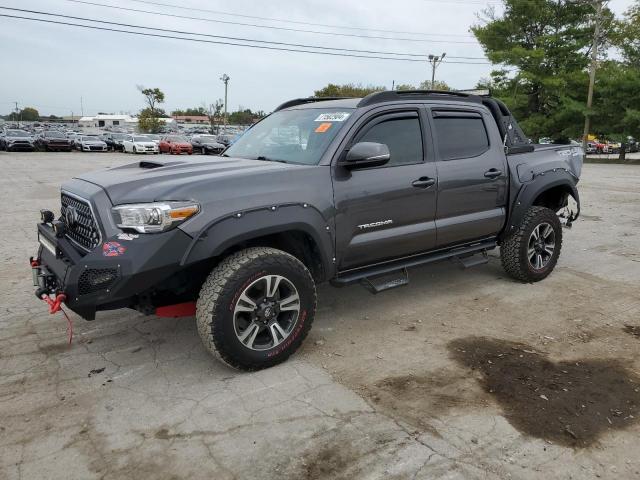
{"x": 71, "y": 216}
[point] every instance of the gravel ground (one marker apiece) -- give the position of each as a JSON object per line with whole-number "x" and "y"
{"x": 462, "y": 374}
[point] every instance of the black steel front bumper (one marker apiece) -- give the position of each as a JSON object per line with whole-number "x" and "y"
{"x": 110, "y": 276}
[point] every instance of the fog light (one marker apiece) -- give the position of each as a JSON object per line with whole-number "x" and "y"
{"x": 46, "y": 216}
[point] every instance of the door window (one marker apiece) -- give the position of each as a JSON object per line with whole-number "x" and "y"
{"x": 403, "y": 136}
{"x": 460, "y": 137}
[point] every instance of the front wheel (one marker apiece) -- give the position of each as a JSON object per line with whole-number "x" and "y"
{"x": 256, "y": 308}
{"x": 531, "y": 252}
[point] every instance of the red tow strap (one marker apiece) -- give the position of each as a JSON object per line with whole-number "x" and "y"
{"x": 55, "y": 306}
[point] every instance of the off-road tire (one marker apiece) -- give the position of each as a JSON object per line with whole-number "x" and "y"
{"x": 216, "y": 302}
{"x": 513, "y": 251}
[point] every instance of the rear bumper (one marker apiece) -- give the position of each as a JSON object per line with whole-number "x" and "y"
{"x": 112, "y": 275}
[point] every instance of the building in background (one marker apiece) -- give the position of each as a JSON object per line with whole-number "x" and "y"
{"x": 192, "y": 119}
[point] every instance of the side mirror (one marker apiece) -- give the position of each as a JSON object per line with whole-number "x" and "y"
{"x": 366, "y": 155}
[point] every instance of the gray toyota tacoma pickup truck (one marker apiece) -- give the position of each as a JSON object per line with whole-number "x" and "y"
{"x": 322, "y": 190}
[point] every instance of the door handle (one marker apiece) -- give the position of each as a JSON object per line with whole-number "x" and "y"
{"x": 493, "y": 173}
{"x": 424, "y": 182}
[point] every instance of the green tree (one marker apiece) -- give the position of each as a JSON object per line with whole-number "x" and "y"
{"x": 27, "y": 114}
{"x": 627, "y": 36}
{"x": 148, "y": 122}
{"x": 242, "y": 117}
{"x": 149, "y": 117}
{"x": 548, "y": 42}
{"x": 347, "y": 90}
{"x": 191, "y": 112}
{"x": 215, "y": 113}
{"x": 438, "y": 85}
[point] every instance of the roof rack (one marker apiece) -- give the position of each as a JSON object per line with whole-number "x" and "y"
{"x": 302, "y": 101}
{"x": 396, "y": 95}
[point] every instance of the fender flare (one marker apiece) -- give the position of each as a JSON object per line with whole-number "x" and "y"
{"x": 225, "y": 232}
{"x": 529, "y": 191}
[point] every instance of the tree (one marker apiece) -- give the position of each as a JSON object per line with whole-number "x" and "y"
{"x": 153, "y": 96}
{"x": 148, "y": 122}
{"x": 215, "y": 113}
{"x": 191, "y": 112}
{"x": 627, "y": 36}
{"x": 242, "y": 117}
{"x": 27, "y": 114}
{"x": 438, "y": 85}
{"x": 347, "y": 90}
{"x": 548, "y": 43}
{"x": 149, "y": 117}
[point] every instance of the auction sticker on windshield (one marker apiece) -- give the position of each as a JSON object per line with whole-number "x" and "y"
{"x": 333, "y": 117}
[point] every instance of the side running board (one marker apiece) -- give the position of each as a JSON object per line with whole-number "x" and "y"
{"x": 386, "y": 282}
{"x": 392, "y": 274}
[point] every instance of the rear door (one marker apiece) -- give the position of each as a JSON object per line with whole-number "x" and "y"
{"x": 389, "y": 211}
{"x": 472, "y": 175}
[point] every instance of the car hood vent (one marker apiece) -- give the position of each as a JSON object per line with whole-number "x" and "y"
{"x": 148, "y": 164}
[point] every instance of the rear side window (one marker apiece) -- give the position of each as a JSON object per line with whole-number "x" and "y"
{"x": 403, "y": 137}
{"x": 460, "y": 137}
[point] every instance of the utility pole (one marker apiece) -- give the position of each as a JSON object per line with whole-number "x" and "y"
{"x": 81, "y": 107}
{"x": 598, "y": 5}
{"x": 18, "y": 113}
{"x": 225, "y": 78}
{"x": 435, "y": 60}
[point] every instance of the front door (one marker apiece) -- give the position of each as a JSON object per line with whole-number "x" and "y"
{"x": 387, "y": 212}
{"x": 472, "y": 176}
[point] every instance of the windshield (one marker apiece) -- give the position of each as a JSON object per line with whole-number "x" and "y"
{"x": 141, "y": 139}
{"x": 54, "y": 135}
{"x": 90, "y": 139}
{"x": 17, "y": 133}
{"x": 292, "y": 136}
{"x": 118, "y": 136}
{"x": 178, "y": 139}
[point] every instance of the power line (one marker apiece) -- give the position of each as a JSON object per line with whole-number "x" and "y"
{"x": 298, "y": 22}
{"x": 224, "y": 37}
{"x": 272, "y": 27}
{"x": 200, "y": 40}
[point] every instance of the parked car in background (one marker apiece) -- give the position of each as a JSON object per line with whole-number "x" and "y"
{"x": 90, "y": 143}
{"x": 51, "y": 140}
{"x": 139, "y": 144}
{"x": 16, "y": 139}
{"x": 154, "y": 137}
{"x": 74, "y": 137}
{"x": 225, "y": 139}
{"x": 175, "y": 144}
{"x": 207, "y": 145}
{"x": 114, "y": 141}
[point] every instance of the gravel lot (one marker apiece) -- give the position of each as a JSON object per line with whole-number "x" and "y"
{"x": 462, "y": 374}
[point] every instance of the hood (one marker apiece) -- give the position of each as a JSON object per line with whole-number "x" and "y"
{"x": 193, "y": 179}
{"x": 20, "y": 137}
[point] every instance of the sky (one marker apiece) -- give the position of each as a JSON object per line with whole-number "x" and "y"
{"x": 62, "y": 70}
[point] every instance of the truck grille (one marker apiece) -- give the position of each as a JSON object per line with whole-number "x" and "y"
{"x": 78, "y": 219}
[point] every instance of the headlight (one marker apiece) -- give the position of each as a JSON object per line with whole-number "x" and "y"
{"x": 154, "y": 217}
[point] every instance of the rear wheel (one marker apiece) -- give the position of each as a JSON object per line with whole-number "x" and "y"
{"x": 134, "y": 150}
{"x": 530, "y": 253}
{"x": 256, "y": 308}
